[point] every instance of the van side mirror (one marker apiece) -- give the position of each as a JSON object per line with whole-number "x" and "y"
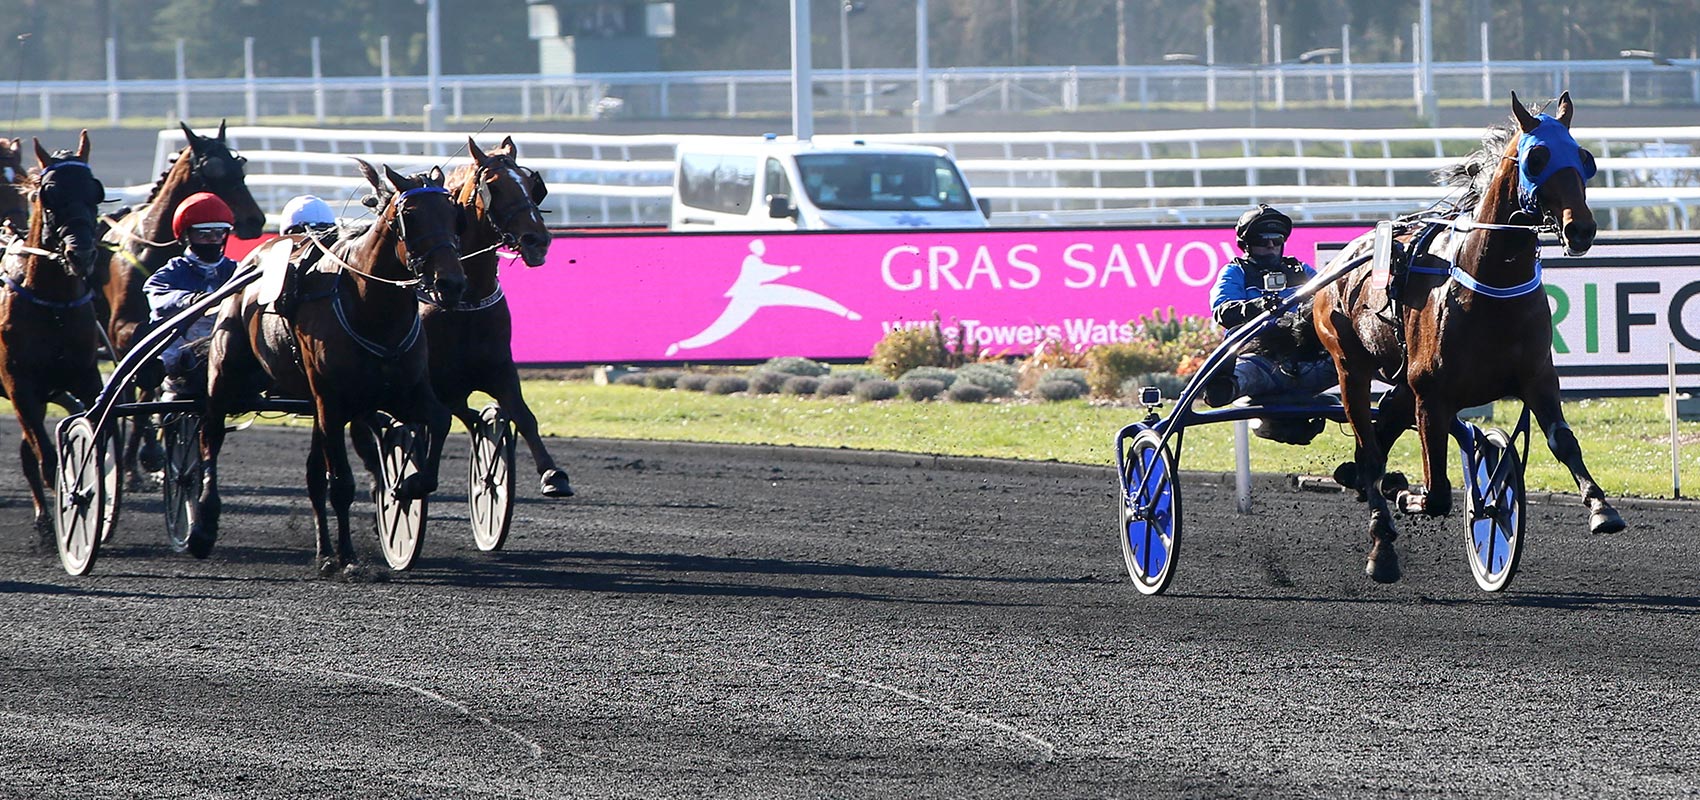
{"x": 985, "y": 207}
{"x": 779, "y": 206}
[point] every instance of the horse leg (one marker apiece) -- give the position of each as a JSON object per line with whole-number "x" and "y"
{"x": 1549, "y": 414}
{"x": 1436, "y": 498}
{"x": 1382, "y": 565}
{"x": 553, "y": 479}
{"x": 38, "y": 457}
{"x": 318, "y": 490}
{"x": 341, "y": 489}
{"x": 1395, "y": 415}
{"x": 438, "y": 420}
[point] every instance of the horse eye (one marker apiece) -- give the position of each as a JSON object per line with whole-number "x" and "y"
{"x": 1536, "y": 160}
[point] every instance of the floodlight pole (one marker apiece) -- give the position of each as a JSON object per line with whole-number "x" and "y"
{"x": 433, "y": 68}
{"x": 802, "y": 100}
{"x": 923, "y": 92}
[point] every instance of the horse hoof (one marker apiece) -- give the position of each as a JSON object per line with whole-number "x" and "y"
{"x": 1383, "y": 564}
{"x": 328, "y": 567}
{"x": 1606, "y": 520}
{"x": 202, "y": 535}
{"x": 1347, "y": 474}
{"x": 1393, "y": 484}
{"x": 555, "y": 484}
{"x": 414, "y": 487}
{"x": 151, "y": 457}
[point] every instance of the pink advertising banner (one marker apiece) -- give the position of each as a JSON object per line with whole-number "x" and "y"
{"x": 658, "y": 297}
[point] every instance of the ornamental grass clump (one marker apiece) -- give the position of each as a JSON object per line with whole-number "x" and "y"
{"x": 792, "y": 365}
{"x": 692, "y": 382}
{"x": 1057, "y": 391}
{"x": 727, "y": 384}
{"x": 939, "y": 374}
{"x": 662, "y": 378}
{"x": 765, "y": 382}
{"x": 800, "y": 385}
{"x": 875, "y": 390}
{"x": 920, "y": 389}
{"x": 1071, "y": 375}
{"x": 835, "y": 387}
{"x": 964, "y": 392}
{"x": 632, "y": 379}
{"x": 996, "y": 378}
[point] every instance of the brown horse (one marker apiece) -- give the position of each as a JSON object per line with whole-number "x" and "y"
{"x": 472, "y": 342}
{"x": 14, "y": 190}
{"x": 1471, "y": 333}
{"x": 48, "y": 332}
{"x": 353, "y": 346}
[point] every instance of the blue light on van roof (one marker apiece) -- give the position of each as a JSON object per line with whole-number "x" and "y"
{"x": 770, "y": 136}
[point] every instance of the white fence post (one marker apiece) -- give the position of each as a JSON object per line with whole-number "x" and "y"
{"x": 251, "y": 99}
{"x": 1346, "y": 60}
{"x": 1210, "y": 67}
{"x": 182, "y": 83}
{"x": 318, "y": 85}
{"x": 1280, "y": 72}
{"x": 112, "y": 81}
{"x": 1487, "y": 70}
{"x": 384, "y": 72}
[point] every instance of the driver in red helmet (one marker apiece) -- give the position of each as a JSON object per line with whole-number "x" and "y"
{"x": 202, "y": 223}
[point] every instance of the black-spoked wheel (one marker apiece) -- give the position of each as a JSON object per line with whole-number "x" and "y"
{"x": 401, "y": 523}
{"x": 79, "y": 490}
{"x": 112, "y": 479}
{"x": 1493, "y": 509}
{"x": 490, "y": 478}
{"x": 181, "y": 480}
{"x": 1150, "y": 528}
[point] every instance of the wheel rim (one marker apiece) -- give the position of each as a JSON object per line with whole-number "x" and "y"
{"x": 1495, "y": 514}
{"x": 181, "y": 479}
{"x": 112, "y": 481}
{"x": 401, "y": 523}
{"x": 490, "y": 479}
{"x": 79, "y": 485}
{"x": 1150, "y": 515}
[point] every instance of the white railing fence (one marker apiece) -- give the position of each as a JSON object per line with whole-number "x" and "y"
{"x": 1648, "y": 177}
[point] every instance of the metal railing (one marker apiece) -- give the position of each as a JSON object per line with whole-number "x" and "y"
{"x": 957, "y": 90}
{"x": 1648, "y": 177}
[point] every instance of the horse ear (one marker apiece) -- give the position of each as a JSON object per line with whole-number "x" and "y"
{"x": 370, "y": 174}
{"x": 41, "y": 155}
{"x": 83, "y": 146}
{"x": 1525, "y": 120}
{"x": 508, "y": 142}
{"x": 220, "y": 136}
{"x": 194, "y": 138}
{"x": 436, "y": 175}
{"x": 396, "y": 179}
{"x": 477, "y": 154}
{"x": 1566, "y": 109}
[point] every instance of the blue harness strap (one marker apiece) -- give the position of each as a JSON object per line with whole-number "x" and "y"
{"x": 24, "y": 292}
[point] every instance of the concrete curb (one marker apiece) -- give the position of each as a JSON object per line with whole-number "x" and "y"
{"x": 1261, "y": 481}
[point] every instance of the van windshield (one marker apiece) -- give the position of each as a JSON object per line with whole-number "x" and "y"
{"x": 882, "y": 182}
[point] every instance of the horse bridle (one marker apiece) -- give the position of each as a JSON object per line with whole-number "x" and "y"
{"x": 53, "y": 226}
{"x": 499, "y": 217}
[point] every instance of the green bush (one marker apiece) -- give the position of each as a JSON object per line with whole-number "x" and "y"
{"x": 876, "y": 389}
{"x": 765, "y": 382}
{"x": 919, "y": 389}
{"x": 1058, "y": 390}
{"x": 836, "y": 387}
{"x": 727, "y": 384}
{"x": 1071, "y": 375}
{"x": 904, "y": 349}
{"x": 997, "y": 379}
{"x": 939, "y": 374}
{"x": 661, "y": 378}
{"x": 632, "y": 379}
{"x": 791, "y": 365}
{"x": 1108, "y": 366}
{"x": 800, "y": 385}
{"x": 692, "y": 382}
{"x": 964, "y": 392}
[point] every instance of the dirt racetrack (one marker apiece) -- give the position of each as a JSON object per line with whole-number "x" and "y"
{"x": 708, "y": 621}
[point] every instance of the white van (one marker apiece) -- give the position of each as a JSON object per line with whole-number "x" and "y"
{"x": 737, "y": 184}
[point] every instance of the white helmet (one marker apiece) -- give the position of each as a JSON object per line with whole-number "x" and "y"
{"x": 307, "y": 210}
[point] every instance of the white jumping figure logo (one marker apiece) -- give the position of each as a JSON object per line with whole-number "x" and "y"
{"x": 755, "y": 290}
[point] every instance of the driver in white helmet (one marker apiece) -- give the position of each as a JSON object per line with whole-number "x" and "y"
{"x": 1287, "y": 357}
{"x": 309, "y": 215}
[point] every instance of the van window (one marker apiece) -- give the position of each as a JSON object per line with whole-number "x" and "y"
{"x": 717, "y": 183}
{"x": 776, "y": 182}
{"x": 883, "y": 182}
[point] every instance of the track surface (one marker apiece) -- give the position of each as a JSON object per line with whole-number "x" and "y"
{"x": 728, "y": 622}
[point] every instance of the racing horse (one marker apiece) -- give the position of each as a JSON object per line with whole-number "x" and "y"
{"x": 48, "y": 333}
{"x": 14, "y": 192}
{"x": 352, "y": 345}
{"x": 140, "y": 242}
{"x": 1470, "y": 331}
{"x": 472, "y": 342}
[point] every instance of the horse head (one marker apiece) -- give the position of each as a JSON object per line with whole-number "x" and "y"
{"x": 14, "y": 200}
{"x": 220, "y": 171}
{"x": 506, "y": 195}
{"x": 1553, "y": 173}
{"x": 426, "y": 225}
{"x": 68, "y": 198}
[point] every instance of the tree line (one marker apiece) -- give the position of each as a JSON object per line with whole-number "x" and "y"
{"x": 66, "y": 38}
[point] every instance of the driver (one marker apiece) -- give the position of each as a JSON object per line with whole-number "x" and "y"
{"x": 1287, "y": 357}
{"x": 203, "y": 223}
{"x": 307, "y": 214}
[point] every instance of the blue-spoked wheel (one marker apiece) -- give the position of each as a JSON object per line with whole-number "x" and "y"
{"x": 1150, "y": 514}
{"x": 1494, "y": 511}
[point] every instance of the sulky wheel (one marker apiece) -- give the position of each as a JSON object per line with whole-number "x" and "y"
{"x": 1150, "y": 529}
{"x": 78, "y": 485}
{"x": 112, "y": 479}
{"x": 181, "y": 478}
{"x": 1493, "y": 511}
{"x": 401, "y": 523}
{"x": 490, "y": 478}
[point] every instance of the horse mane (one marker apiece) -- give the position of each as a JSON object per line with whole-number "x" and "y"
{"x": 1475, "y": 173}
{"x": 170, "y": 164}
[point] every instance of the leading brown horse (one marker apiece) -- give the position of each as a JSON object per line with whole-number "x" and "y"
{"x": 472, "y": 342}
{"x": 352, "y": 345}
{"x": 1472, "y": 332}
{"x": 48, "y": 333}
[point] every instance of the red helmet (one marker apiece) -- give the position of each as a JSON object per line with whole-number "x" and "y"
{"x": 201, "y": 210}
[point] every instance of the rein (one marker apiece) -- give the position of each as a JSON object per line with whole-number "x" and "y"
{"x": 1468, "y": 281}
